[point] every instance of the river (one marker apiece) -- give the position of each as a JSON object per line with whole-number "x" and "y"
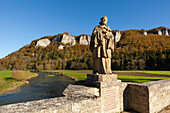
{"x": 40, "y": 87}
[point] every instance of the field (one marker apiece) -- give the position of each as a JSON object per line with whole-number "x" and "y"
{"x": 8, "y": 84}
{"x": 125, "y": 76}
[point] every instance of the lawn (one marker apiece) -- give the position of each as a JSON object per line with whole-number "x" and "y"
{"x": 79, "y": 76}
{"x": 8, "y": 84}
{"x": 124, "y": 78}
{"x": 5, "y": 74}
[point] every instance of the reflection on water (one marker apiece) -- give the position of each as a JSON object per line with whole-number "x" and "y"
{"x": 40, "y": 87}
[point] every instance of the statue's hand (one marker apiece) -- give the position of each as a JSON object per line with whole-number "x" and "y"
{"x": 108, "y": 28}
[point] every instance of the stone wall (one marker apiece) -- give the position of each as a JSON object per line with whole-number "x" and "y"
{"x": 77, "y": 99}
{"x": 148, "y": 97}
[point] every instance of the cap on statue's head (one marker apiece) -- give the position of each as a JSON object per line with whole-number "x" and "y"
{"x": 103, "y": 20}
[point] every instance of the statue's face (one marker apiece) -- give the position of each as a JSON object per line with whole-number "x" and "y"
{"x": 105, "y": 22}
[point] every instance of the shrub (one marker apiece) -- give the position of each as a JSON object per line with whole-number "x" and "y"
{"x": 1, "y": 81}
{"x": 20, "y": 75}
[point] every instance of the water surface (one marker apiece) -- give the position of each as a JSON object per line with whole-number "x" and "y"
{"x": 40, "y": 87}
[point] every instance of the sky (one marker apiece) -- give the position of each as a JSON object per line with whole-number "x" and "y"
{"x": 22, "y": 21}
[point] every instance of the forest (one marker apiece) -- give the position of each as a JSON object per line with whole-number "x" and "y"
{"x": 133, "y": 52}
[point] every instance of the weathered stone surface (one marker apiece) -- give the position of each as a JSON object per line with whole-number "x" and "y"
{"x": 79, "y": 89}
{"x": 67, "y": 39}
{"x": 148, "y": 97}
{"x": 102, "y": 77}
{"x": 110, "y": 99}
{"x": 159, "y": 32}
{"x": 79, "y": 101}
{"x": 117, "y": 36}
{"x": 61, "y": 47}
{"x": 84, "y": 40}
{"x": 122, "y": 88}
{"x": 166, "y": 32}
{"x": 145, "y": 33}
{"x": 101, "y": 46}
{"x": 43, "y": 43}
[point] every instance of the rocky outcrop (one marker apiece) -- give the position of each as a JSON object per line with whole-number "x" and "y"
{"x": 67, "y": 39}
{"x": 84, "y": 40}
{"x": 117, "y": 36}
{"x": 145, "y": 33}
{"x": 159, "y": 32}
{"x": 43, "y": 43}
{"x": 165, "y": 32}
{"x": 61, "y": 47}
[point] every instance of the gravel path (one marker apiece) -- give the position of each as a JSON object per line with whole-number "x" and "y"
{"x": 140, "y": 74}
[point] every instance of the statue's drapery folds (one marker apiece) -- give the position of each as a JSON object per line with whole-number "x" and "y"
{"x": 101, "y": 45}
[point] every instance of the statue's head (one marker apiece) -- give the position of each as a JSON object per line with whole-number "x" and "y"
{"x": 103, "y": 20}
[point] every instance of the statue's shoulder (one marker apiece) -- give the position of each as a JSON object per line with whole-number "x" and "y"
{"x": 96, "y": 29}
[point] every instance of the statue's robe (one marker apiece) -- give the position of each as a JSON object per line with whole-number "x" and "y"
{"x": 101, "y": 45}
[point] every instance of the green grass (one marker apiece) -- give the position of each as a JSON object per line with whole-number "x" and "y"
{"x": 124, "y": 78}
{"x": 79, "y": 76}
{"x": 5, "y": 75}
{"x": 8, "y": 84}
{"x": 50, "y": 75}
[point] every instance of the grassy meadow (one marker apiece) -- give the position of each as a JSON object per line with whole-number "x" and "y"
{"x": 8, "y": 83}
{"x": 81, "y": 75}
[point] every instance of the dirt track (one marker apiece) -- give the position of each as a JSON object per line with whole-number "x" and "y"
{"x": 140, "y": 74}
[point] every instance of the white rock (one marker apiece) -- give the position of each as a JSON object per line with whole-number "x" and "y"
{"x": 117, "y": 36}
{"x": 43, "y": 43}
{"x": 66, "y": 39}
{"x": 159, "y": 32}
{"x": 84, "y": 40}
{"x": 61, "y": 47}
{"x": 166, "y": 32}
{"x": 145, "y": 33}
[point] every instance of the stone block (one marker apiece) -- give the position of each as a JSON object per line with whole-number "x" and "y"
{"x": 102, "y": 77}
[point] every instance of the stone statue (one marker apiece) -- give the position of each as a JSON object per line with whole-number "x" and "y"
{"x": 101, "y": 45}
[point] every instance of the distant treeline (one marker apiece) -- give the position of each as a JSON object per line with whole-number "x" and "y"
{"x": 133, "y": 52}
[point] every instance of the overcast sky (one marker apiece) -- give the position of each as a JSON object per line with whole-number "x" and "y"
{"x": 22, "y": 21}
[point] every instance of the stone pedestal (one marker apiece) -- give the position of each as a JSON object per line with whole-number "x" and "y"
{"x": 108, "y": 89}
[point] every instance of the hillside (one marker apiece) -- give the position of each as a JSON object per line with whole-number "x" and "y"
{"x": 137, "y": 50}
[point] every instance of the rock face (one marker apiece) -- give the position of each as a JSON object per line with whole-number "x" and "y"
{"x": 159, "y": 32}
{"x": 165, "y": 32}
{"x": 61, "y": 47}
{"x": 145, "y": 33}
{"x": 84, "y": 40}
{"x": 43, "y": 43}
{"x": 66, "y": 39}
{"x": 117, "y": 36}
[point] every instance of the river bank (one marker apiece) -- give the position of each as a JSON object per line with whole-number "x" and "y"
{"x": 44, "y": 86}
{"x": 10, "y": 85}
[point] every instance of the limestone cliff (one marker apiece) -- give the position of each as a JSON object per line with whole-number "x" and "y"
{"x": 43, "y": 43}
